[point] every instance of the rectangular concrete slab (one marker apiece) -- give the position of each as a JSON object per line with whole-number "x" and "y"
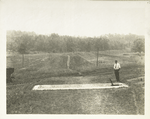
{"x": 78, "y": 86}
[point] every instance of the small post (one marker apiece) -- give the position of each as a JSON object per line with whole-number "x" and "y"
{"x": 68, "y": 61}
{"x": 97, "y": 57}
{"x": 22, "y": 60}
{"x": 111, "y": 82}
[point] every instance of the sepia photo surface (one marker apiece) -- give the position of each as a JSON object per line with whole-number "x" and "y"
{"x": 75, "y": 57}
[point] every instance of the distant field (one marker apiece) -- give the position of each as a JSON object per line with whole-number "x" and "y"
{"x": 55, "y": 64}
{"x": 52, "y": 69}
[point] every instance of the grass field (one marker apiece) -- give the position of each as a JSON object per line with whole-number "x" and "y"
{"x": 51, "y": 69}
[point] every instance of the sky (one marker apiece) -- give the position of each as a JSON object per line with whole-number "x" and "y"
{"x": 74, "y": 18}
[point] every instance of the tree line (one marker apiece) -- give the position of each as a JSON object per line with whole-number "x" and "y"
{"x": 27, "y": 42}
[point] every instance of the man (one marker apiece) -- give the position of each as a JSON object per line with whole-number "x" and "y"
{"x": 117, "y": 67}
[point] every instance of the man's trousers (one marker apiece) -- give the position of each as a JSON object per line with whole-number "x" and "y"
{"x": 117, "y": 75}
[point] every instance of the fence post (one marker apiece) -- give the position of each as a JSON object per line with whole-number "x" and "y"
{"x": 97, "y": 57}
{"x": 68, "y": 62}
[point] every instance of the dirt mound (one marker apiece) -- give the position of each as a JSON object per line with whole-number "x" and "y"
{"x": 56, "y": 63}
{"x": 77, "y": 62}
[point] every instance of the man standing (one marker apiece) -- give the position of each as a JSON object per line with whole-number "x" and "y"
{"x": 116, "y": 70}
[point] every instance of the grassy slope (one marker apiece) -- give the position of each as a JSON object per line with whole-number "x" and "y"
{"x": 21, "y": 99}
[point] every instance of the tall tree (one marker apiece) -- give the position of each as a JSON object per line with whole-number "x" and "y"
{"x": 139, "y": 45}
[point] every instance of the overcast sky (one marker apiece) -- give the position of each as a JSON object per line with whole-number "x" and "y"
{"x": 75, "y": 18}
